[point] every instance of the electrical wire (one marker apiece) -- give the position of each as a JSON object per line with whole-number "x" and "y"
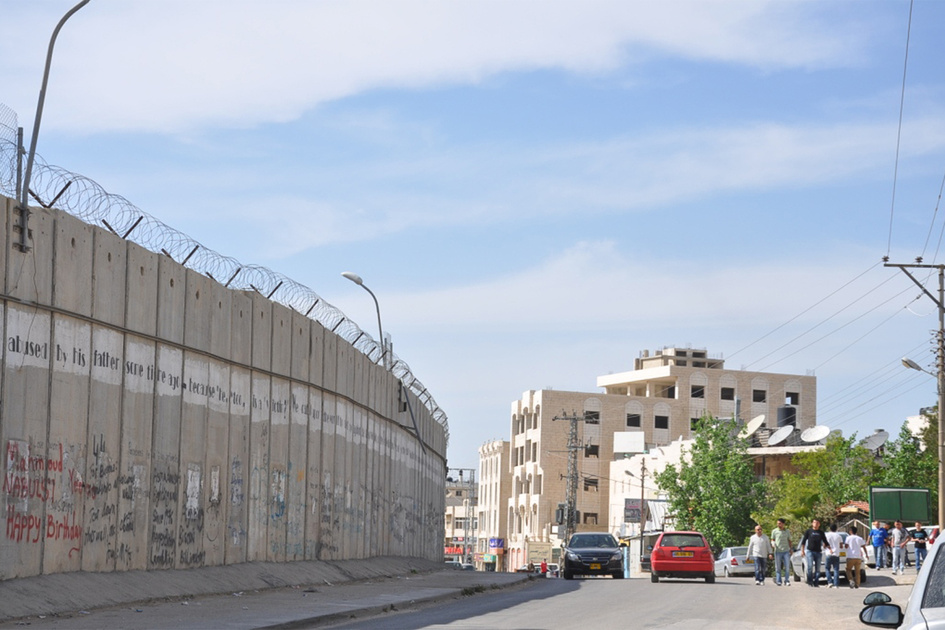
{"x": 902, "y": 101}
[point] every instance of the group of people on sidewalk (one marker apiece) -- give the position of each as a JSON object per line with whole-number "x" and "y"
{"x": 819, "y": 546}
{"x": 895, "y": 539}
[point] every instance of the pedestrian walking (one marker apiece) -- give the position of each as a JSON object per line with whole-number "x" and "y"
{"x": 878, "y": 540}
{"x": 832, "y": 564}
{"x": 813, "y": 543}
{"x": 781, "y": 542}
{"x": 759, "y": 550}
{"x": 919, "y": 538}
{"x": 857, "y": 553}
{"x": 897, "y": 541}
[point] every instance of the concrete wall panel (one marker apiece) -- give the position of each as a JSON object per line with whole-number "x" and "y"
{"x": 194, "y": 448}
{"x": 136, "y": 452}
{"x": 109, "y": 270}
{"x": 313, "y": 477}
{"x": 297, "y": 468}
{"x": 198, "y": 308}
{"x": 258, "y": 530}
{"x": 100, "y": 535}
{"x": 30, "y": 479}
{"x": 141, "y": 289}
{"x": 278, "y": 467}
{"x": 168, "y": 476}
{"x": 29, "y": 274}
{"x": 238, "y": 438}
{"x": 68, "y": 434}
{"x": 72, "y": 274}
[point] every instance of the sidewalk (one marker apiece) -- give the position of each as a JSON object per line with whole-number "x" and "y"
{"x": 252, "y": 595}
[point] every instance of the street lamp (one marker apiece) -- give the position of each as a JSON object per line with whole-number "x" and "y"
{"x": 940, "y": 377}
{"x": 355, "y": 278}
{"x": 24, "y": 192}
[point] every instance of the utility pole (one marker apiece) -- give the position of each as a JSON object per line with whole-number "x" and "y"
{"x": 642, "y": 502}
{"x": 570, "y": 497}
{"x": 940, "y": 363}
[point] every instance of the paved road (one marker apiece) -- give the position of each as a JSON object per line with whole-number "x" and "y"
{"x": 462, "y": 599}
{"x": 729, "y": 604}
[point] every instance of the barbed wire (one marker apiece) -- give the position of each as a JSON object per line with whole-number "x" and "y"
{"x": 53, "y": 186}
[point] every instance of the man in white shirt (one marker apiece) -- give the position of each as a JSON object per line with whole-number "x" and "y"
{"x": 759, "y": 550}
{"x": 857, "y": 553}
{"x": 832, "y": 565}
{"x": 897, "y": 540}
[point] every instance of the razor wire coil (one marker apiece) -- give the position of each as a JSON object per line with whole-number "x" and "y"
{"x": 83, "y": 198}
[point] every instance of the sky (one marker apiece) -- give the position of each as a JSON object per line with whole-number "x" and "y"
{"x": 536, "y": 192}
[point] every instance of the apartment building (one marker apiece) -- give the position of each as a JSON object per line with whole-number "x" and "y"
{"x": 493, "y": 497}
{"x": 662, "y": 398}
{"x": 460, "y": 522}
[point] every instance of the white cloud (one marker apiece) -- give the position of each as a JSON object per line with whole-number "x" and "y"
{"x": 170, "y": 65}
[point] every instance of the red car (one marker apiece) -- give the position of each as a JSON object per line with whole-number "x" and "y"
{"x": 682, "y": 555}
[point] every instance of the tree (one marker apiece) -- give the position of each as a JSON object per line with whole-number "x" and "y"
{"x": 825, "y": 480}
{"x": 912, "y": 462}
{"x": 713, "y": 490}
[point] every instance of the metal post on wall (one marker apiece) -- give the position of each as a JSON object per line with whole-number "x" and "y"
{"x": 24, "y": 208}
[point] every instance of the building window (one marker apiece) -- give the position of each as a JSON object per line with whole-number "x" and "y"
{"x": 590, "y": 518}
{"x": 458, "y": 493}
{"x": 633, "y": 420}
{"x": 592, "y": 417}
{"x": 661, "y": 422}
{"x": 694, "y": 424}
{"x": 759, "y": 396}
{"x": 792, "y": 398}
{"x": 680, "y": 363}
{"x": 590, "y": 484}
{"x": 728, "y": 393}
{"x": 671, "y": 391}
{"x": 697, "y": 391}
{"x": 592, "y": 450}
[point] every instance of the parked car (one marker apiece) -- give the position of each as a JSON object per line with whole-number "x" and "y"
{"x": 682, "y": 555}
{"x": 590, "y": 553}
{"x": 733, "y": 561}
{"x": 453, "y": 564}
{"x": 925, "y": 609}
{"x": 553, "y": 570}
{"x": 799, "y": 564}
{"x": 467, "y": 567}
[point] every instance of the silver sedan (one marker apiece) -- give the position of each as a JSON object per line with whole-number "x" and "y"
{"x": 733, "y": 561}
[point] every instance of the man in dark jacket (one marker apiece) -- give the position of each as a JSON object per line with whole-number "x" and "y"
{"x": 813, "y": 543}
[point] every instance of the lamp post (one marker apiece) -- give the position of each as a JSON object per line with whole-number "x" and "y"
{"x": 355, "y": 278}
{"x": 24, "y": 192}
{"x": 940, "y": 377}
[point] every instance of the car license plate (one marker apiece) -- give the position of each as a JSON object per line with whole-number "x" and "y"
{"x": 749, "y": 561}
{"x": 682, "y": 554}
{"x": 595, "y": 566}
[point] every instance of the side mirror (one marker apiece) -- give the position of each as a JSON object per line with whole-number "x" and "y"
{"x": 876, "y": 597}
{"x": 882, "y": 616}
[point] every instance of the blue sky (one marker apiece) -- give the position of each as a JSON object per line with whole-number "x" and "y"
{"x": 536, "y": 192}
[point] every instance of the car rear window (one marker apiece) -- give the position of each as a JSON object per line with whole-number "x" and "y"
{"x": 739, "y": 551}
{"x": 683, "y": 540}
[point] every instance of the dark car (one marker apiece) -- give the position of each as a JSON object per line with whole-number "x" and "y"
{"x": 592, "y": 554}
{"x": 682, "y": 555}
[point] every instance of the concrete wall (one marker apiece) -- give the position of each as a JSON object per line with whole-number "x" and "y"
{"x": 152, "y": 419}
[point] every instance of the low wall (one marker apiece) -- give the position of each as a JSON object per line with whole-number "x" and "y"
{"x": 152, "y": 419}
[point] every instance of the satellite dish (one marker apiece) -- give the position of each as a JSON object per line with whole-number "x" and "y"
{"x": 875, "y": 441}
{"x": 753, "y": 425}
{"x": 815, "y": 434}
{"x": 780, "y": 435}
